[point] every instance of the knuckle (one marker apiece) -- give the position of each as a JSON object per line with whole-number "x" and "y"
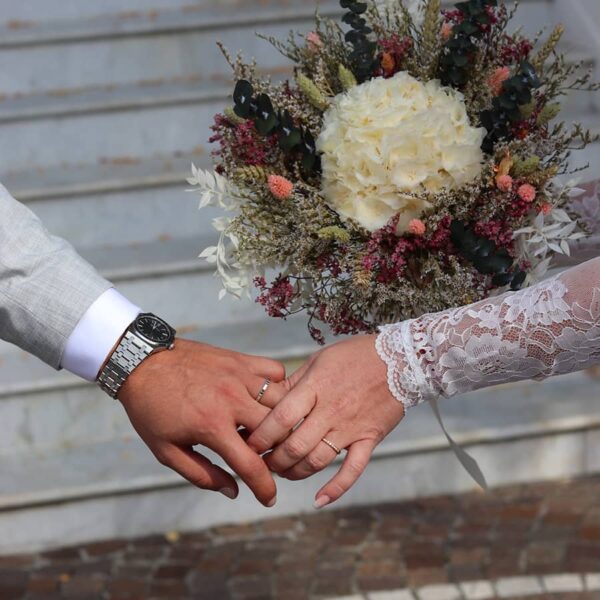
{"x": 375, "y": 433}
{"x": 253, "y": 471}
{"x": 315, "y": 463}
{"x": 283, "y": 416}
{"x": 356, "y": 468}
{"x": 296, "y": 448}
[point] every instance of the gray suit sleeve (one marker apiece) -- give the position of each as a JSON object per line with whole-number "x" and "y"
{"x": 45, "y": 286}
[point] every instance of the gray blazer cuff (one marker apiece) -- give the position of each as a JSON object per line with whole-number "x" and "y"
{"x": 45, "y": 286}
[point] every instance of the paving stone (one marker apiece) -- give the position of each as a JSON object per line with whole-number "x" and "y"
{"x": 391, "y": 595}
{"x": 563, "y": 583}
{"x": 510, "y": 587}
{"x": 471, "y": 547}
{"x": 439, "y": 592}
{"x": 477, "y": 590}
{"x": 592, "y": 582}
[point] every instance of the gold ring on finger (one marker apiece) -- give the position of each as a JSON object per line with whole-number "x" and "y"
{"x": 332, "y": 446}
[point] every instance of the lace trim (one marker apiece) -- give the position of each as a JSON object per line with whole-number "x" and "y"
{"x": 405, "y": 377}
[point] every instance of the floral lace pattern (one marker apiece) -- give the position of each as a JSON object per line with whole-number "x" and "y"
{"x": 549, "y": 329}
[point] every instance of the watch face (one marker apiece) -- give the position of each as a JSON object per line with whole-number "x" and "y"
{"x": 154, "y": 329}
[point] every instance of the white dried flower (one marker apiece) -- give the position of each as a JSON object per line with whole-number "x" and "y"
{"x": 216, "y": 190}
{"x": 388, "y": 142}
{"x": 414, "y": 7}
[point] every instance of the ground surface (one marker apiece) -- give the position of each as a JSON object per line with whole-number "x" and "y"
{"x": 524, "y": 541}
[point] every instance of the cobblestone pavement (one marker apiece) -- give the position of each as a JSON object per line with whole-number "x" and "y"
{"x": 547, "y": 530}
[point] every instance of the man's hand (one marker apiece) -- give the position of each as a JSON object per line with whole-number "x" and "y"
{"x": 343, "y": 396}
{"x": 198, "y": 394}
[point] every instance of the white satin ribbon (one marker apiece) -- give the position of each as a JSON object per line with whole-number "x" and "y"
{"x": 465, "y": 459}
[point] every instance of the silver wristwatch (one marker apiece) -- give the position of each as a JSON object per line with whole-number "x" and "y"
{"x": 147, "y": 335}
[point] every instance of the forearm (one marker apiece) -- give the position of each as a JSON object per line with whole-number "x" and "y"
{"x": 45, "y": 286}
{"x": 549, "y": 329}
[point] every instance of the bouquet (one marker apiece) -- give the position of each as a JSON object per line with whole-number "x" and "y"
{"x": 410, "y": 167}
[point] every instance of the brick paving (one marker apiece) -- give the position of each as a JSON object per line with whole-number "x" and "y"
{"x": 546, "y": 529}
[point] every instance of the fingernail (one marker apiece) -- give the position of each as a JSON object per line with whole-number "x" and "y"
{"x": 272, "y": 503}
{"x": 230, "y": 493}
{"x": 322, "y": 501}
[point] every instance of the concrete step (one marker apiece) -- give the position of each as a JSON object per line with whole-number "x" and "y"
{"x": 127, "y": 132}
{"x": 148, "y": 46}
{"x": 20, "y": 15}
{"x": 122, "y": 48}
{"x": 133, "y": 202}
{"x": 106, "y": 489}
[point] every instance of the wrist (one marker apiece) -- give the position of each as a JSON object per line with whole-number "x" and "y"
{"x": 145, "y": 337}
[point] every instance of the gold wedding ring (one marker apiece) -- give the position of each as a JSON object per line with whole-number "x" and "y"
{"x": 263, "y": 390}
{"x": 332, "y": 446}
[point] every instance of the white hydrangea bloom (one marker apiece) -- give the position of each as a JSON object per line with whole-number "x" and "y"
{"x": 387, "y": 141}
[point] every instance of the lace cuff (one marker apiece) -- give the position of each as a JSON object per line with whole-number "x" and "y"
{"x": 548, "y": 329}
{"x": 406, "y": 379}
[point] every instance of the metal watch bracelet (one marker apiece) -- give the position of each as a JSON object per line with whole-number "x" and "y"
{"x": 130, "y": 353}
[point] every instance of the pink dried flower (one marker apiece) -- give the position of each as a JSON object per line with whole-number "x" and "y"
{"x": 505, "y": 183}
{"x": 314, "y": 41}
{"x": 527, "y": 193}
{"x": 497, "y": 79}
{"x": 417, "y": 227}
{"x": 446, "y": 31}
{"x": 546, "y": 208}
{"x": 280, "y": 187}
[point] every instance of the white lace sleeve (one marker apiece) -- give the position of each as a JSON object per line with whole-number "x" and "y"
{"x": 549, "y": 329}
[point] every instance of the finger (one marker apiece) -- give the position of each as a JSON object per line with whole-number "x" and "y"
{"x": 354, "y": 465}
{"x": 320, "y": 458}
{"x": 249, "y": 466}
{"x": 251, "y": 415}
{"x": 301, "y": 443}
{"x": 284, "y": 417}
{"x": 200, "y": 472}
{"x": 265, "y": 367}
{"x": 274, "y": 394}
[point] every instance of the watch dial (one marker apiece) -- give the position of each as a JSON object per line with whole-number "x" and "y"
{"x": 153, "y": 329}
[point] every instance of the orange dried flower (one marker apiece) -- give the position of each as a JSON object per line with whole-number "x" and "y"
{"x": 446, "y": 31}
{"x": 388, "y": 64}
{"x": 280, "y": 187}
{"x": 417, "y": 227}
{"x": 546, "y": 208}
{"x": 497, "y": 79}
{"x": 504, "y": 183}
{"x": 527, "y": 192}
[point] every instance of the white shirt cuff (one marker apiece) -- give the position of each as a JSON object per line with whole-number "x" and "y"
{"x": 97, "y": 333}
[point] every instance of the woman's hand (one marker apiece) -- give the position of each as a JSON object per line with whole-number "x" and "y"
{"x": 342, "y": 394}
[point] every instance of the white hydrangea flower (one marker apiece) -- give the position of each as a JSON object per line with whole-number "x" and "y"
{"x": 387, "y": 141}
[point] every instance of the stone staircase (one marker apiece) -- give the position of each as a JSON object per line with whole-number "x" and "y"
{"x": 103, "y": 106}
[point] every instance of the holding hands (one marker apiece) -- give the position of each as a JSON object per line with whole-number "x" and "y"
{"x": 342, "y": 399}
{"x": 202, "y": 395}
